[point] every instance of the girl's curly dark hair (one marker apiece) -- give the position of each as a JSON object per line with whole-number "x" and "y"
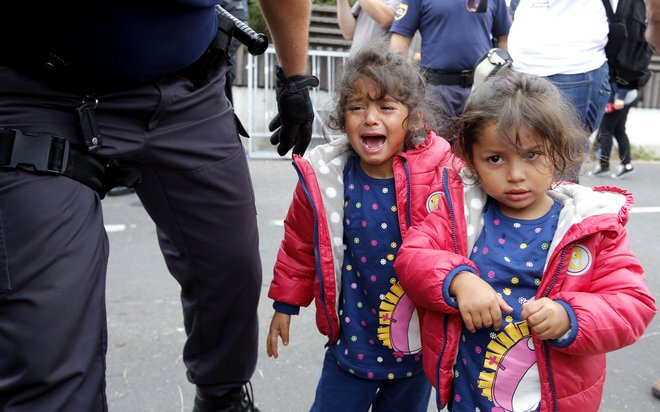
{"x": 393, "y": 74}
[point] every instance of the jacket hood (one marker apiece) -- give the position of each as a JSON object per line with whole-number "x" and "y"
{"x": 582, "y": 202}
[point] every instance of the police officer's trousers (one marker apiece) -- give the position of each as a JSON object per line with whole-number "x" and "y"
{"x": 54, "y": 250}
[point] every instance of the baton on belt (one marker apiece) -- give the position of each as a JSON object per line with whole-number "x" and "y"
{"x": 256, "y": 43}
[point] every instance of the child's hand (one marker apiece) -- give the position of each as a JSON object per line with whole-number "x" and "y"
{"x": 279, "y": 326}
{"x": 547, "y": 318}
{"x": 479, "y": 304}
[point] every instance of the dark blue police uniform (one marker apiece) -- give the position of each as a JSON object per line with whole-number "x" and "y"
{"x": 132, "y": 59}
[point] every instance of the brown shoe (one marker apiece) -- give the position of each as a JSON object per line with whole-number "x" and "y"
{"x": 656, "y": 388}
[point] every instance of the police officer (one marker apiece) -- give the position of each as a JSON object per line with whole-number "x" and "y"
{"x": 99, "y": 93}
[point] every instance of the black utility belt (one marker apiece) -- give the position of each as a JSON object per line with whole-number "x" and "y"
{"x": 463, "y": 78}
{"x": 49, "y": 154}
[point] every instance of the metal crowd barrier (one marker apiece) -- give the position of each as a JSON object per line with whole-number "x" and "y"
{"x": 256, "y": 104}
{"x": 254, "y": 96}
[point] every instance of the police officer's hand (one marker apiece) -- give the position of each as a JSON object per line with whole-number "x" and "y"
{"x": 293, "y": 123}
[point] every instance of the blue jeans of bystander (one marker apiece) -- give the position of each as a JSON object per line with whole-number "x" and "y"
{"x": 588, "y": 91}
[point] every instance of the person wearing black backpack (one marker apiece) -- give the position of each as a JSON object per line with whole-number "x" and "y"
{"x": 628, "y": 53}
{"x": 628, "y": 57}
{"x": 614, "y": 126}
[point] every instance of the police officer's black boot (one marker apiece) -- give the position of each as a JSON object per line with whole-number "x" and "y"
{"x": 236, "y": 400}
{"x": 120, "y": 191}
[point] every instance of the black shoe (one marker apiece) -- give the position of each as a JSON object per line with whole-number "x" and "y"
{"x": 655, "y": 389}
{"x": 236, "y": 400}
{"x": 623, "y": 170}
{"x": 120, "y": 191}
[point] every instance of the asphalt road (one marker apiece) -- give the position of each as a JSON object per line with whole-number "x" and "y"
{"x": 145, "y": 371}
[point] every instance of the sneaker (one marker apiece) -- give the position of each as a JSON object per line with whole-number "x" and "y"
{"x": 656, "y": 389}
{"x": 600, "y": 171}
{"x": 622, "y": 170}
{"x": 236, "y": 400}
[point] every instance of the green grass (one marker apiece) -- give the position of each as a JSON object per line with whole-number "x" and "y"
{"x": 639, "y": 153}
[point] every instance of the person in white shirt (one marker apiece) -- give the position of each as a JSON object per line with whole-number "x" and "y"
{"x": 367, "y": 22}
{"x": 564, "y": 41}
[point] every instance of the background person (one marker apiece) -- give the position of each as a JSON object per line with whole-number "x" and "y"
{"x": 367, "y": 22}
{"x": 454, "y": 38}
{"x": 614, "y": 126}
{"x": 564, "y": 41}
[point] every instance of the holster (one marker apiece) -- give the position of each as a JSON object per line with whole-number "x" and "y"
{"x": 215, "y": 55}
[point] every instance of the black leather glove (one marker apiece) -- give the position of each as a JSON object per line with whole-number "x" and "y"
{"x": 293, "y": 123}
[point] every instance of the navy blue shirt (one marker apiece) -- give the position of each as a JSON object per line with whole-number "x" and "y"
{"x": 453, "y": 39}
{"x": 379, "y": 337}
{"x": 496, "y": 370}
{"x": 129, "y": 40}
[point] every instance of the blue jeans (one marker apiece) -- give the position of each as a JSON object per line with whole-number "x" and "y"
{"x": 339, "y": 390}
{"x": 588, "y": 91}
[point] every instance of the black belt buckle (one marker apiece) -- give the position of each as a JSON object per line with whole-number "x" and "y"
{"x": 40, "y": 152}
{"x": 467, "y": 77}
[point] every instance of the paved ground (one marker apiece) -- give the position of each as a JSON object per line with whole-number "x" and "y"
{"x": 145, "y": 371}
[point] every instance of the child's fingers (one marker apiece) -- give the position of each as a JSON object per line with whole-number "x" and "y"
{"x": 467, "y": 321}
{"x": 284, "y": 333}
{"x": 283, "y": 322}
{"x": 279, "y": 328}
{"x": 503, "y": 305}
{"x": 529, "y": 309}
{"x": 537, "y": 311}
{"x": 271, "y": 344}
{"x": 547, "y": 318}
{"x": 544, "y": 330}
{"x": 496, "y": 316}
{"x": 477, "y": 320}
{"x": 480, "y": 320}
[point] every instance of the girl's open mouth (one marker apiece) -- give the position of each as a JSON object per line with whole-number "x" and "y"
{"x": 373, "y": 143}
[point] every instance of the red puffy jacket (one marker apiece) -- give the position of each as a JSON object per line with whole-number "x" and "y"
{"x": 589, "y": 266}
{"x": 309, "y": 260}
